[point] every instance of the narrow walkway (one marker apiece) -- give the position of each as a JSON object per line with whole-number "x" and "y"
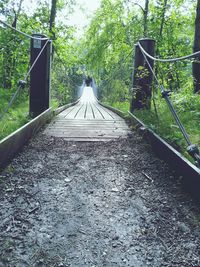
{"x": 88, "y": 121}
{"x": 94, "y": 204}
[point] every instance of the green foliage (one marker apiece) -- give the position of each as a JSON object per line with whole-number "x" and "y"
{"x": 187, "y": 106}
{"x": 123, "y": 106}
{"x": 115, "y": 28}
{"x": 15, "y": 54}
{"x": 106, "y": 53}
{"x": 16, "y": 116}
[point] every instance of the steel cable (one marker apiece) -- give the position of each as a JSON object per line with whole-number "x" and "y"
{"x": 168, "y": 59}
{"x": 23, "y": 33}
{"x": 22, "y": 83}
{"x": 175, "y": 115}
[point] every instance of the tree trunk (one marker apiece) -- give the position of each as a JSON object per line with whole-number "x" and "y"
{"x": 52, "y": 23}
{"x": 146, "y": 10}
{"x": 52, "y": 19}
{"x": 14, "y": 24}
{"x": 196, "y": 47}
{"x": 142, "y": 76}
{"x": 163, "y": 18}
{"x": 9, "y": 55}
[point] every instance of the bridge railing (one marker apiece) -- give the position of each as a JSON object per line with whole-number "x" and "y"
{"x": 38, "y": 76}
{"x": 38, "y": 72}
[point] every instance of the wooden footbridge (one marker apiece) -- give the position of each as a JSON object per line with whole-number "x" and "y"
{"x": 69, "y": 202}
{"x": 88, "y": 121}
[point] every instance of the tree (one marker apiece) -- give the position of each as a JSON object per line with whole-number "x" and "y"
{"x": 196, "y": 47}
{"x": 52, "y": 18}
{"x": 163, "y": 18}
{"x": 16, "y": 14}
{"x": 146, "y": 10}
{"x": 12, "y": 9}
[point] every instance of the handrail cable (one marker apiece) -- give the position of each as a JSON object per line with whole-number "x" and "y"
{"x": 23, "y": 33}
{"x": 191, "y": 149}
{"x": 167, "y": 59}
{"x": 22, "y": 83}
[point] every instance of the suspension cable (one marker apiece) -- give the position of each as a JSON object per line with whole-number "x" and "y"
{"x": 23, "y": 33}
{"x": 22, "y": 83}
{"x": 168, "y": 59}
{"x": 191, "y": 149}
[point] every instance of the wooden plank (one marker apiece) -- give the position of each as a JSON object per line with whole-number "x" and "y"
{"x": 67, "y": 106}
{"x": 86, "y": 135}
{"x": 66, "y": 112}
{"x": 88, "y": 121}
{"x": 90, "y": 113}
{"x": 103, "y": 112}
{"x": 81, "y": 112}
{"x": 87, "y": 124}
{"x": 111, "y": 113}
{"x": 97, "y": 114}
{"x": 88, "y": 132}
{"x": 72, "y": 114}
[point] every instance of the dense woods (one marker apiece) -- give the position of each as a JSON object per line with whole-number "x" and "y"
{"x": 106, "y": 52}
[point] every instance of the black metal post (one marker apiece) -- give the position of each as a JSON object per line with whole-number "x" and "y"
{"x": 142, "y": 76}
{"x": 40, "y": 75}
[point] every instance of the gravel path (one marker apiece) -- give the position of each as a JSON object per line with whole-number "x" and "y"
{"x": 95, "y": 204}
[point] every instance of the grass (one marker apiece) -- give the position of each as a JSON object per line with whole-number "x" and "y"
{"x": 187, "y": 106}
{"x": 54, "y": 103}
{"x": 16, "y": 116}
{"x": 123, "y": 106}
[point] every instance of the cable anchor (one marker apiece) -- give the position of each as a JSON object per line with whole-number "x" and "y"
{"x": 193, "y": 151}
{"x": 164, "y": 92}
{"x": 22, "y": 84}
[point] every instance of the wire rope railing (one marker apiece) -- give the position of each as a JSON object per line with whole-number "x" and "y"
{"x": 168, "y": 59}
{"x": 192, "y": 149}
{"x": 22, "y": 82}
{"x": 20, "y": 32}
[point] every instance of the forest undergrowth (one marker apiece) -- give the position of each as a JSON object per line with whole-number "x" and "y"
{"x": 160, "y": 120}
{"x": 18, "y": 114}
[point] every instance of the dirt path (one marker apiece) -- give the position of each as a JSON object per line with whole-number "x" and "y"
{"x": 95, "y": 204}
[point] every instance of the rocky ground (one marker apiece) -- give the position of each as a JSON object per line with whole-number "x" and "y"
{"x": 95, "y": 204}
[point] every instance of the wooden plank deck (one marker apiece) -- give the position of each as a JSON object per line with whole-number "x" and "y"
{"x": 88, "y": 121}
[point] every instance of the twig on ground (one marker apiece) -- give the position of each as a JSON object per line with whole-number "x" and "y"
{"x": 147, "y": 176}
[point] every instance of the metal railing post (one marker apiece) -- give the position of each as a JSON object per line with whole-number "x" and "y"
{"x": 40, "y": 76}
{"x": 142, "y": 76}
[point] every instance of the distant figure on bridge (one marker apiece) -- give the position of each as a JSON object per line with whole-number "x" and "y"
{"x": 88, "y": 81}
